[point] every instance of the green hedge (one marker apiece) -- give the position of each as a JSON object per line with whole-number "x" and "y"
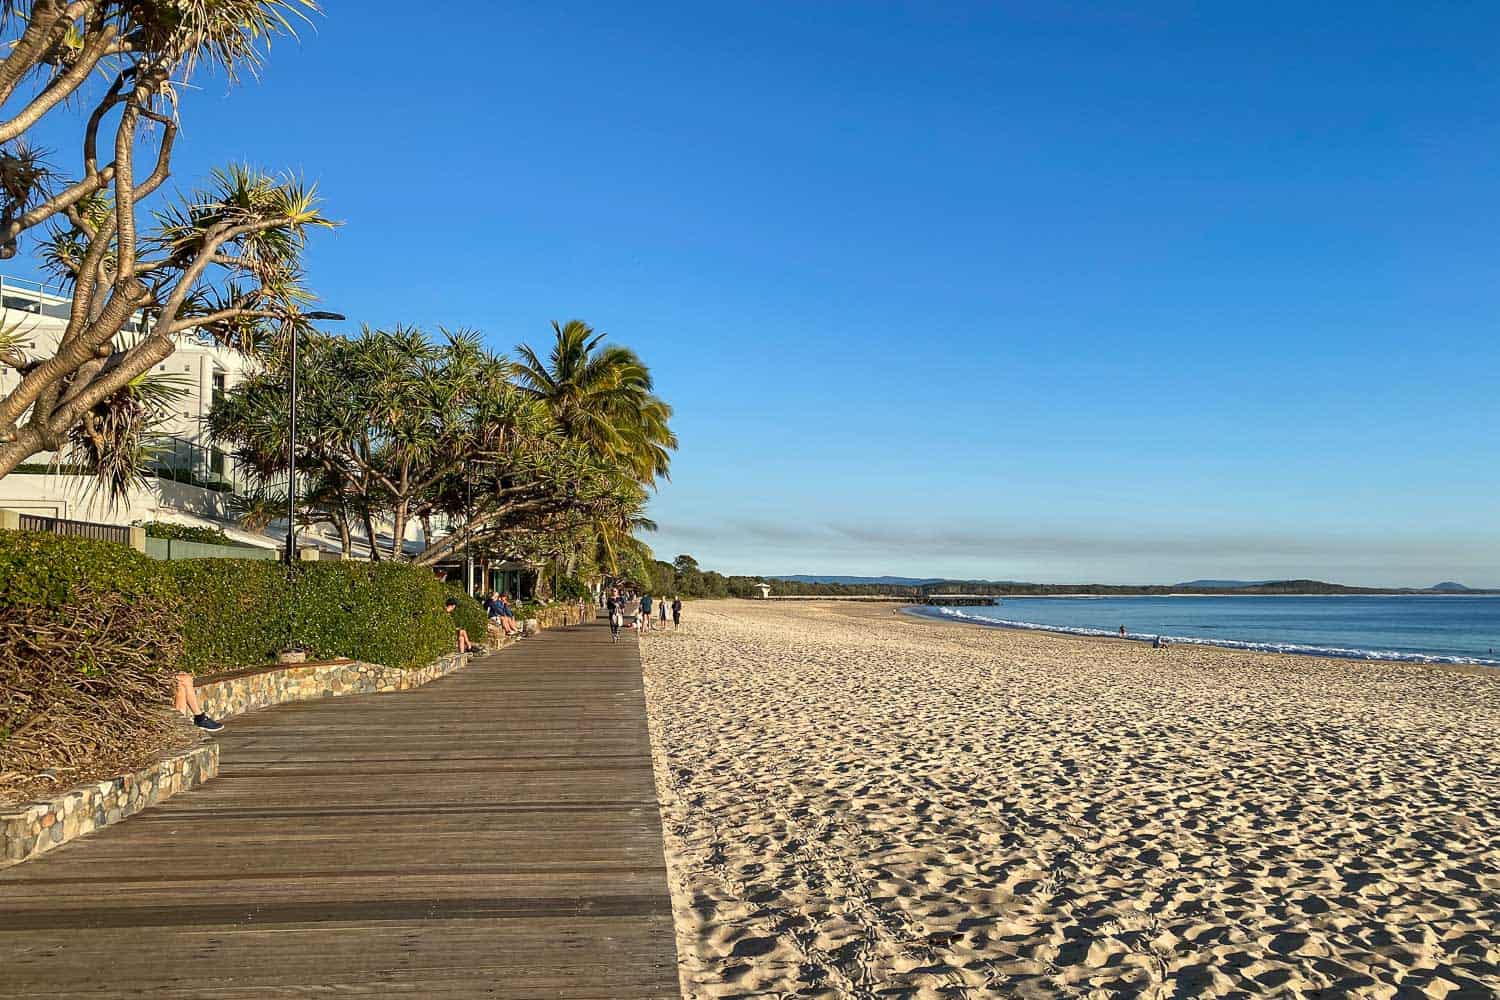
{"x": 38, "y": 569}
{"x": 388, "y": 613}
{"x": 235, "y": 612}
{"x": 186, "y": 533}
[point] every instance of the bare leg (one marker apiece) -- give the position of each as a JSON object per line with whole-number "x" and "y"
{"x": 185, "y": 697}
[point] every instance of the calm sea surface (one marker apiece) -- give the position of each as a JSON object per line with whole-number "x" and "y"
{"x": 1419, "y": 628}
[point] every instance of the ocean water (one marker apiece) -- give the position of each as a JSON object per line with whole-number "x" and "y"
{"x": 1419, "y": 629}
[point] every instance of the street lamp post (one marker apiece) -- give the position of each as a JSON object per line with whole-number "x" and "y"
{"x": 291, "y": 444}
{"x": 468, "y": 542}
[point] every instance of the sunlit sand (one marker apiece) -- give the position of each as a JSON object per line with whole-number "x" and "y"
{"x": 862, "y": 804}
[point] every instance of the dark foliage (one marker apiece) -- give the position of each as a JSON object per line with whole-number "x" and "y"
{"x": 89, "y": 641}
{"x": 241, "y": 613}
{"x": 91, "y": 633}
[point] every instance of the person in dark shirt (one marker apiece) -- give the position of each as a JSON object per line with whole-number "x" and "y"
{"x": 676, "y": 611}
{"x": 465, "y": 647}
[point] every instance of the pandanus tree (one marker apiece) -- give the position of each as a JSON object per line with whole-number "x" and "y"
{"x": 398, "y": 427}
{"x": 223, "y": 264}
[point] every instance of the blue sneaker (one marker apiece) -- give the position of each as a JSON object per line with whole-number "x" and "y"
{"x": 206, "y": 724}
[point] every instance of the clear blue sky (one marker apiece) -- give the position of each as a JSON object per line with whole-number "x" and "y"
{"x": 1052, "y": 291}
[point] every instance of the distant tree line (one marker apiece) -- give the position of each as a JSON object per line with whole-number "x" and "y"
{"x": 684, "y": 577}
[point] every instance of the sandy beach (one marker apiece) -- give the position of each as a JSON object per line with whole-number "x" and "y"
{"x": 862, "y": 804}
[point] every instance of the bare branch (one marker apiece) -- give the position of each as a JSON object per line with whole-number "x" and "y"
{"x": 60, "y": 202}
{"x": 63, "y": 86}
{"x": 45, "y": 28}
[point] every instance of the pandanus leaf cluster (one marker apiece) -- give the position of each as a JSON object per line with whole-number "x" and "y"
{"x": 397, "y": 428}
{"x": 223, "y": 263}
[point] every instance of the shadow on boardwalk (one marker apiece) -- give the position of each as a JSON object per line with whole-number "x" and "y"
{"x": 492, "y": 834}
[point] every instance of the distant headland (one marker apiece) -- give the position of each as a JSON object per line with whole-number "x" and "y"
{"x": 835, "y": 586}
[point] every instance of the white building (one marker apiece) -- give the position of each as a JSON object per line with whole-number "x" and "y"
{"x": 200, "y": 477}
{"x": 201, "y": 371}
{"x": 196, "y": 481}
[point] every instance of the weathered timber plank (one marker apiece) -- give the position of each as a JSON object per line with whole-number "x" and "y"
{"x": 494, "y": 833}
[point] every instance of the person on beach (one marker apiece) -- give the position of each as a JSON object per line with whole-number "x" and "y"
{"x": 465, "y": 647}
{"x": 1122, "y": 631}
{"x": 185, "y": 700}
{"x": 645, "y": 615}
{"x": 661, "y": 608}
{"x": 676, "y": 611}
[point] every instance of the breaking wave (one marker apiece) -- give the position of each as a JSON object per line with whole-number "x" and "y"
{"x": 1336, "y": 652}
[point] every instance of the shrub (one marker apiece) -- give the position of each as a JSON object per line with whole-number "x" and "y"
{"x": 241, "y": 612}
{"x": 570, "y": 588}
{"x": 186, "y": 533}
{"x": 91, "y": 634}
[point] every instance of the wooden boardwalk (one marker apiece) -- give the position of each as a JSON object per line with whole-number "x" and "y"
{"x": 493, "y": 834}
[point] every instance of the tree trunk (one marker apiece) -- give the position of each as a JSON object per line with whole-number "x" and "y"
{"x": 398, "y": 533}
{"x": 369, "y": 520}
{"x": 27, "y": 442}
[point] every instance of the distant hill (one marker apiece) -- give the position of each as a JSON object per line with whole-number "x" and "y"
{"x": 808, "y": 585}
{"x": 878, "y": 581}
{"x": 1222, "y": 584}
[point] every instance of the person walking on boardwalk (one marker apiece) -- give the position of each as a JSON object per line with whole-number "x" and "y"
{"x": 615, "y": 620}
{"x": 676, "y": 611}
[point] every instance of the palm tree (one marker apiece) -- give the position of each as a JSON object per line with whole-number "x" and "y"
{"x": 600, "y": 395}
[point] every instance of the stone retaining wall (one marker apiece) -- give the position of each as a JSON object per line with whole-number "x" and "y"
{"x": 34, "y": 828}
{"x": 228, "y": 695}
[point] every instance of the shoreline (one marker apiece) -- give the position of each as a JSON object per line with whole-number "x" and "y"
{"x": 915, "y": 612}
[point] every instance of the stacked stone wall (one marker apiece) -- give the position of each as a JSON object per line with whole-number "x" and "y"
{"x": 37, "y": 827}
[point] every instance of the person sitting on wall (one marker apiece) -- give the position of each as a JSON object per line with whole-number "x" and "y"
{"x": 500, "y": 613}
{"x": 185, "y": 700}
{"x": 465, "y": 647}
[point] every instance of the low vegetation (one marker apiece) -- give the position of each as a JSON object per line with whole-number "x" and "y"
{"x": 186, "y": 533}
{"x": 93, "y": 632}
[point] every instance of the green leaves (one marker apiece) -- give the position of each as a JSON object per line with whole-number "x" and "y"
{"x": 232, "y": 612}
{"x": 601, "y": 396}
{"x": 113, "y": 438}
